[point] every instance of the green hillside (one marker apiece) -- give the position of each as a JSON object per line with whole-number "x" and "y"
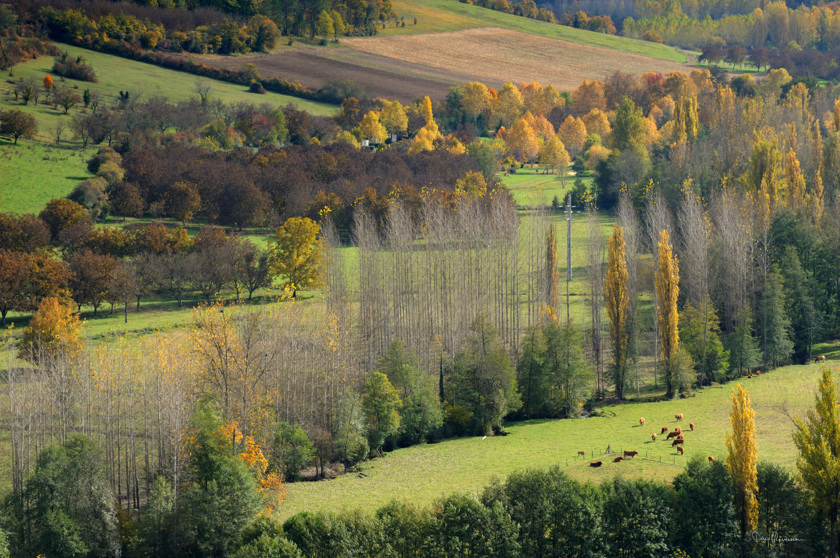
{"x": 441, "y": 16}
{"x": 422, "y": 473}
{"x": 117, "y": 74}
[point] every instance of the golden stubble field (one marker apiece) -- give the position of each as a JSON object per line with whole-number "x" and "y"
{"x": 496, "y": 55}
{"x": 404, "y": 67}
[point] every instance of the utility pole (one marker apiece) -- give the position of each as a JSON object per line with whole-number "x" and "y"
{"x": 568, "y": 251}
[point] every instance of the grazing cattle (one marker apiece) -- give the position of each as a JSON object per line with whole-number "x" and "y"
{"x": 653, "y": 436}
{"x": 749, "y": 377}
{"x": 664, "y": 430}
{"x": 677, "y": 442}
{"x": 711, "y": 459}
{"x": 679, "y": 416}
{"x": 628, "y": 453}
{"x": 595, "y": 464}
{"x": 617, "y": 459}
{"x": 583, "y": 453}
{"x": 642, "y": 421}
{"x": 691, "y": 424}
{"x": 820, "y": 358}
{"x": 673, "y": 434}
{"x": 678, "y": 430}
{"x": 680, "y": 450}
{"x": 758, "y": 372}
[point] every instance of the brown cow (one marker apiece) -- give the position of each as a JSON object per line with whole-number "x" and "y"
{"x": 680, "y": 450}
{"x": 642, "y": 421}
{"x": 691, "y": 424}
{"x": 628, "y": 453}
{"x": 678, "y": 430}
{"x": 820, "y": 358}
{"x": 677, "y": 442}
{"x": 595, "y": 464}
{"x": 711, "y": 459}
{"x": 617, "y": 459}
{"x": 758, "y": 372}
{"x": 749, "y": 376}
{"x": 673, "y": 434}
{"x": 654, "y": 436}
{"x": 664, "y": 430}
{"x": 583, "y": 453}
{"x": 679, "y": 416}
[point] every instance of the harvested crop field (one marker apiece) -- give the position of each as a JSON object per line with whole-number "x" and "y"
{"x": 500, "y": 55}
{"x": 406, "y": 66}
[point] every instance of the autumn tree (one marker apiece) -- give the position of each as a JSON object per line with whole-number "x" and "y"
{"x": 617, "y": 299}
{"x": 818, "y": 442}
{"x": 742, "y": 459}
{"x": 553, "y": 156}
{"x": 509, "y": 105}
{"x": 393, "y": 117}
{"x": 13, "y": 277}
{"x": 17, "y": 124}
{"x": 552, "y": 272}
{"x": 588, "y": 96}
{"x": 296, "y": 253}
{"x": 53, "y": 330}
{"x": 182, "y": 201}
{"x": 90, "y": 277}
{"x": 521, "y": 141}
{"x": 572, "y": 133}
{"x": 62, "y": 215}
{"x": 475, "y": 99}
{"x": 667, "y": 292}
{"x": 686, "y": 121}
{"x": 372, "y": 129}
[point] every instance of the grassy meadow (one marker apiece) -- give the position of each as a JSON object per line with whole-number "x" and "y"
{"x": 33, "y": 173}
{"x": 143, "y": 80}
{"x": 442, "y": 16}
{"x": 421, "y": 474}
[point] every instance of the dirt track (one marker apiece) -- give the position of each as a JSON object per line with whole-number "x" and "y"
{"x": 404, "y": 67}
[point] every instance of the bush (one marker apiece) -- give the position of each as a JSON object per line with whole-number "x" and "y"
{"x": 73, "y": 68}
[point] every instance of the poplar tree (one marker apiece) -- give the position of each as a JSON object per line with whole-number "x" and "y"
{"x": 552, "y": 275}
{"x": 617, "y": 301}
{"x": 667, "y": 291}
{"x": 818, "y": 442}
{"x": 743, "y": 460}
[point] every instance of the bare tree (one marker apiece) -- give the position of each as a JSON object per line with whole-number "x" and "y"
{"x": 595, "y": 275}
{"x": 657, "y": 219}
{"x": 628, "y": 219}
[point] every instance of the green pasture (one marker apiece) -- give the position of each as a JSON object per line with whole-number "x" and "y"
{"x": 441, "y": 16}
{"x": 421, "y": 474}
{"x": 531, "y": 186}
{"x": 33, "y": 173}
{"x": 143, "y": 80}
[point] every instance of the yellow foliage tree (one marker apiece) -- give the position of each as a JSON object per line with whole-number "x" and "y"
{"x": 818, "y": 442}
{"x": 393, "y": 117}
{"x": 596, "y": 122}
{"x": 617, "y": 301}
{"x": 372, "y": 128}
{"x": 270, "y": 483}
{"x": 572, "y": 133}
{"x": 742, "y": 459}
{"x": 472, "y": 184}
{"x": 795, "y": 182}
{"x": 595, "y": 155}
{"x": 296, "y": 253}
{"x": 475, "y": 99}
{"x": 521, "y": 141}
{"x": 588, "y": 96}
{"x": 553, "y": 155}
{"x": 426, "y": 109}
{"x": 54, "y": 330}
{"x": 509, "y": 105}
{"x": 686, "y": 121}
{"x": 426, "y": 137}
{"x": 667, "y": 292}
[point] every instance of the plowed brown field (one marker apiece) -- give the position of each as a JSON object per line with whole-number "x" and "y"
{"x": 407, "y": 66}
